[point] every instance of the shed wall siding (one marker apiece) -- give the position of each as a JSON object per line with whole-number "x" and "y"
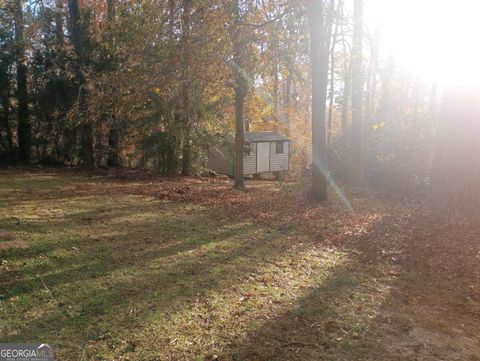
{"x": 279, "y": 162}
{"x": 221, "y": 160}
{"x": 250, "y": 161}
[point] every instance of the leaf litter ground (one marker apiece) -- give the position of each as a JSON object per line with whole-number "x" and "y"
{"x": 129, "y": 266}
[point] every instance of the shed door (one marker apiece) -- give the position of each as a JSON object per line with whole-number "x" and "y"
{"x": 263, "y": 157}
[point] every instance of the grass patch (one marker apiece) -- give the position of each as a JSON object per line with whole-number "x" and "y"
{"x": 112, "y": 271}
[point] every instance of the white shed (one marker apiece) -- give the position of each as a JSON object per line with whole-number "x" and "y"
{"x": 265, "y": 152}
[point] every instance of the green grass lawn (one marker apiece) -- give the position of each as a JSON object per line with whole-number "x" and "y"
{"x": 119, "y": 269}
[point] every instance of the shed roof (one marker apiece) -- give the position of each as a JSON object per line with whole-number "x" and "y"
{"x": 264, "y": 136}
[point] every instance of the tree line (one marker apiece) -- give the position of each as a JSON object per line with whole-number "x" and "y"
{"x": 155, "y": 83}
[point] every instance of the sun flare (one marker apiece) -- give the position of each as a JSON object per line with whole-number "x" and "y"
{"x": 435, "y": 39}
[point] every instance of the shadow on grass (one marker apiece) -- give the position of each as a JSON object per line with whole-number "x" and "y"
{"x": 373, "y": 307}
{"x": 117, "y": 287}
{"x": 139, "y": 265}
{"x": 88, "y": 309}
{"x": 323, "y": 323}
{"x": 122, "y": 242}
{"x": 331, "y": 321}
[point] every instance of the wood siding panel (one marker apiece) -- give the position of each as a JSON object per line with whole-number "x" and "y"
{"x": 279, "y": 162}
{"x": 250, "y": 161}
{"x": 221, "y": 160}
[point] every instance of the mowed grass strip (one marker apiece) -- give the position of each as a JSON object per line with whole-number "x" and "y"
{"x": 112, "y": 275}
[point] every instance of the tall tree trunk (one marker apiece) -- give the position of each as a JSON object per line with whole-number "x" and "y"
{"x": 240, "y": 93}
{"x": 347, "y": 81}
{"x": 329, "y": 27}
{"x": 319, "y": 87}
{"x": 332, "y": 80}
{"x": 371, "y": 91}
{"x": 275, "y": 88}
{"x": 273, "y": 52}
{"x": 187, "y": 150}
{"x": 63, "y": 149}
{"x": 186, "y": 159}
{"x": 357, "y": 94}
{"x": 172, "y": 143}
{"x": 239, "y": 135}
{"x": 373, "y": 88}
{"x": 174, "y": 119}
{"x": 6, "y": 115}
{"x": 456, "y": 167}
{"x": 59, "y": 22}
{"x": 113, "y": 143}
{"x": 113, "y": 158}
{"x": 86, "y": 133}
{"x": 24, "y": 128}
{"x": 347, "y": 88}
{"x": 290, "y": 67}
{"x": 172, "y": 159}
{"x": 287, "y": 102}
